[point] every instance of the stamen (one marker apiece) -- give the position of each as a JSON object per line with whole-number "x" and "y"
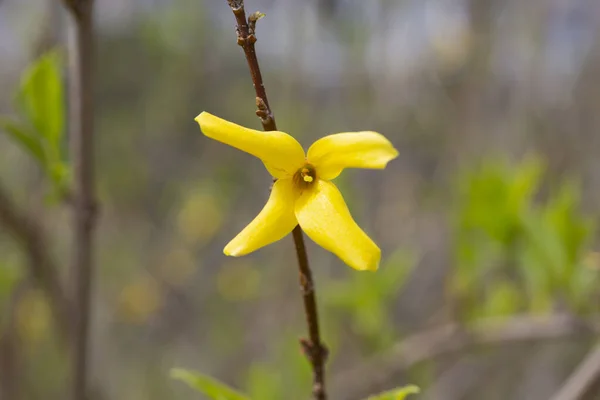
{"x": 305, "y": 175}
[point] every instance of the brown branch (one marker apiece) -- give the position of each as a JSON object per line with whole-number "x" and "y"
{"x": 28, "y": 233}
{"x": 454, "y": 338}
{"x": 314, "y": 349}
{"x": 245, "y": 29}
{"x": 584, "y": 382}
{"x": 81, "y": 118}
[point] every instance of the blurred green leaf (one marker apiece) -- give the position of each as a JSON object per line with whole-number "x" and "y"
{"x": 23, "y": 137}
{"x": 41, "y": 96}
{"x": 40, "y": 128}
{"x": 207, "y": 385}
{"x": 396, "y": 394}
{"x": 557, "y": 236}
{"x": 494, "y": 198}
{"x": 522, "y": 184}
{"x": 572, "y": 229}
{"x": 503, "y": 300}
{"x": 543, "y": 252}
{"x": 503, "y": 231}
{"x": 582, "y": 287}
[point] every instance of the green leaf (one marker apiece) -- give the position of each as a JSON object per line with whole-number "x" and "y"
{"x": 396, "y": 394}
{"x": 23, "y": 137}
{"x": 207, "y": 385}
{"x": 41, "y": 97}
{"x": 40, "y": 128}
{"x": 56, "y": 170}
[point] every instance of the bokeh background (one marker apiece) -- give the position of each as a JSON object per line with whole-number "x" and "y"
{"x": 488, "y": 214}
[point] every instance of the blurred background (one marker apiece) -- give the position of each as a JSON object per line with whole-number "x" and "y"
{"x": 489, "y": 213}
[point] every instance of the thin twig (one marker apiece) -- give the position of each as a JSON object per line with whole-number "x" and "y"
{"x": 455, "y": 338}
{"x": 584, "y": 382}
{"x": 246, "y": 38}
{"x": 81, "y": 120}
{"x": 314, "y": 348}
{"x": 42, "y": 269}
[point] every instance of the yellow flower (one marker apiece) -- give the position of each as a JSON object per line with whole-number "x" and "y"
{"x": 303, "y": 193}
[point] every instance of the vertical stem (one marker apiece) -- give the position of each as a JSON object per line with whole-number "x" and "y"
{"x": 314, "y": 349}
{"x": 81, "y": 120}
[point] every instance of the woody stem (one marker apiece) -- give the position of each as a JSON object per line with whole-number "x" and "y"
{"x": 313, "y": 348}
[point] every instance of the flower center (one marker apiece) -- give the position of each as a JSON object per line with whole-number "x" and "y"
{"x": 305, "y": 176}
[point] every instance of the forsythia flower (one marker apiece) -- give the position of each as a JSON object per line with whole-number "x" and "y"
{"x": 303, "y": 193}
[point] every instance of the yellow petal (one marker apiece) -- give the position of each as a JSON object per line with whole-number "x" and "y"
{"x": 331, "y": 154}
{"x": 276, "y": 220}
{"x": 280, "y": 152}
{"x": 324, "y": 216}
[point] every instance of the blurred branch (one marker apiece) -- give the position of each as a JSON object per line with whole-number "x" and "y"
{"x": 457, "y": 381}
{"x": 78, "y": 7}
{"x": 47, "y": 35}
{"x": 81, "y": 119}
{"x": 454, "y": 338}
{"x": 584, "y": 382}
{"x": 313, "y": 348}
{"x": 41, "y": 266}
{"x": 10, "y": 360}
